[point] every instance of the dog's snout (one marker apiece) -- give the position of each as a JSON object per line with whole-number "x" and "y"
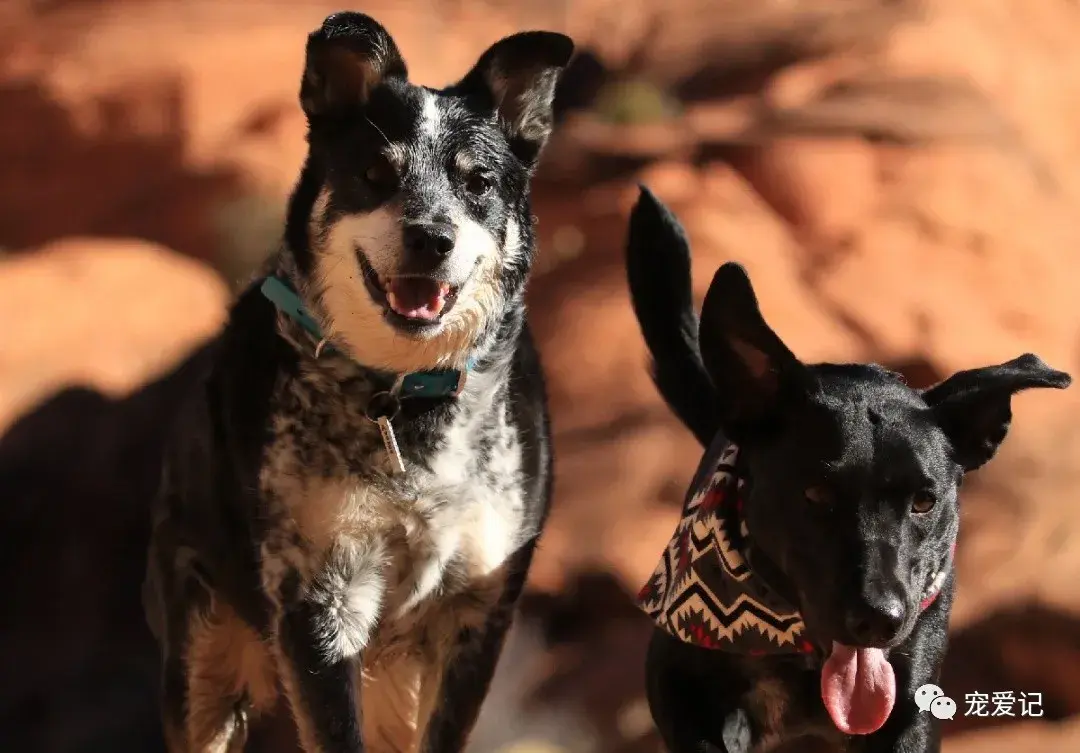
{"x": 433, "y": 240}
{"x": 877, "y": 622}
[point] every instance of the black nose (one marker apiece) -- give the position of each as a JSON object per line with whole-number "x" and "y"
{"x": 434, "y": 240}
{"x": 875, "y": 623}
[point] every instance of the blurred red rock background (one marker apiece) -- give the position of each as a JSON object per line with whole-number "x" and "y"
{"x": 902, "y": 180}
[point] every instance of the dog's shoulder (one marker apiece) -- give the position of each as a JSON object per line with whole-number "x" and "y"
{"x": 528, "y": 405}
{"x": 203, "y": 512}
{"x": 252, "y": 357}
{"x": 224, "y": 420}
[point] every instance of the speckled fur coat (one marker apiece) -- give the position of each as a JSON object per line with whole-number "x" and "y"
{"x": 289, "y": 570}
{"x": 276, "y": 499}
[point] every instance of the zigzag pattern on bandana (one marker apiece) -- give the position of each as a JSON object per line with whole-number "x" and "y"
{"x": 704, "y": 592}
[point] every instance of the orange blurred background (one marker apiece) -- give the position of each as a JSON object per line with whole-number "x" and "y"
{"x": 901, "y": 179}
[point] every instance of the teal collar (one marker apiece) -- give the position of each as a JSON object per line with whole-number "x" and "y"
{"x": 438, "y": 383}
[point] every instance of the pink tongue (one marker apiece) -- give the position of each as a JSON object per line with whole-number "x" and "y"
{"x": 859, "y": 688}
{"x": 416, "y": 297}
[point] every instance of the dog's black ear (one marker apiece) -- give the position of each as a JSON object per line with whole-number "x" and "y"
{"x": 751, "y": 368}
{"x": 662, "y": 295}
{"x": 347, "y": 57}
{"x": 974, "y": 407}
{"x": 516, "y": 78}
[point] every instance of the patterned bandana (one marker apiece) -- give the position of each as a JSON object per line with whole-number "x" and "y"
{"x": 704, "y": 591}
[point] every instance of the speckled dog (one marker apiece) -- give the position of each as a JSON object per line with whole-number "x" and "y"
{"x": 351, "y": 502}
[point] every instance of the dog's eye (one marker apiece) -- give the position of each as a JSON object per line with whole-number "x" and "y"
{"x": 477, "y": 184}
{"x": 379, "y": 174}
{"x": 818, "y": 495}
{"x": 922, "y": 504}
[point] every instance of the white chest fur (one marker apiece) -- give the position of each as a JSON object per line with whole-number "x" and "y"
{"x": 398, "y": 564}
{"x": 384, "y": 552}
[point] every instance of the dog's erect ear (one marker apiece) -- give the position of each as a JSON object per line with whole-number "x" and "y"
{"x": 347, "y": 57}
{"x": 658, "y": 260}
{"x": 751, "y": 368}
{"x": 974, "y": 407}
{"x": 516, "y": 79}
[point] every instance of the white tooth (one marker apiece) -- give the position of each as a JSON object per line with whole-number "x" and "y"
{"x": 392, "y": 300}
{"x": 444, "y": 287}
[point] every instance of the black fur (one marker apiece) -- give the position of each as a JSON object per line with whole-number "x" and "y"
{"x": 662, "y": 298}
{"x": 285, "y": 553}
{"x": 845, "y": 460}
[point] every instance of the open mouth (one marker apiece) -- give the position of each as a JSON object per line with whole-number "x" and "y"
{"x": 410, "y": 301}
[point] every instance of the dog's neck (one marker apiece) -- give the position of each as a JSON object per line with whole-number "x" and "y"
{"x": 704, "y": 591}
{"x": 299, "y": 324}
{"x": 280, "y": 291}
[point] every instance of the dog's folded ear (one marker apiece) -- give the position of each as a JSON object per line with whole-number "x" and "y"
{"x": 754, "y": 373}
{"x": 974, "y": 407}
{"x": 516, "y": 78}
{"x": 347, "y": 57}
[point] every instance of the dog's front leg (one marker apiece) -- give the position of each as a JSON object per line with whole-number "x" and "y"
{"x": 697, "y": 699}
{"x": 453, "y": 692}
{"x": 322, "y": 629}
{"x": 318, "y": 682}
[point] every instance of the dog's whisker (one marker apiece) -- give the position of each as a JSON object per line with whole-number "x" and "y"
{"x": 379, "y": 130}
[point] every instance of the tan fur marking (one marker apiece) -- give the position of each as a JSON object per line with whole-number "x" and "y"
{"x": 430, "y": 694}
{"x": 389, "y": 699}
{"x": 326, "y": 511}
{"x": 227, "y": 664}
{"x": 769, "y": 700}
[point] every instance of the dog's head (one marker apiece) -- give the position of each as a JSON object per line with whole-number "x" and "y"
{"x": 410, "y": 226}
{"x": 854, "y": 475}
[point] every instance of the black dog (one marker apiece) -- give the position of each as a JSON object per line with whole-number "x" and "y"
{"x": 350, "y": 505}
{"x": 806, "y": 592}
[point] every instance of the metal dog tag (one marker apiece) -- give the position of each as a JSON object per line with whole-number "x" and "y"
{"x": 397, "y": 464}
{"x": 381, "y": 409}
